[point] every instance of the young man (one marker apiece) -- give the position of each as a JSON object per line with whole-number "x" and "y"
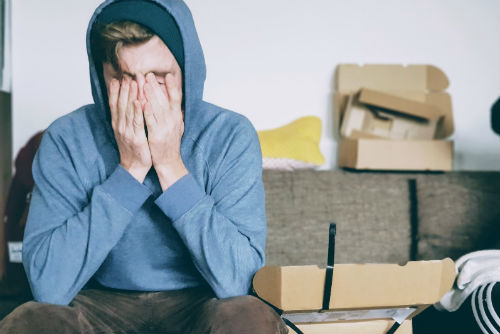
{"x": 148, "y": 211}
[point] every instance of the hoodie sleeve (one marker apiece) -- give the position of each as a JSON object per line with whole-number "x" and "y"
{"x": 71, "y": 226}
{"x": 224, "y": 228}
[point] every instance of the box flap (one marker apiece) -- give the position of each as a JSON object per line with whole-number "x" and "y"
{"x": 443, "y": 101}
{"x": 374, "y": 120}
{"x": 399, "y": 104}
{"x": 268, "y": 283}
{"x": 436, "y": 79}
{"x": 354, "y": 327}
{"x": 352, "y": 77}
{"x": 356, "y": 286}
{"x": 422, "y": 83}
{"x": 449, "y": 270}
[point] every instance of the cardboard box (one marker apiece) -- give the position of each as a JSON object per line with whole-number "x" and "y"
{"x": 379, "y": 115}
{"x": 361, "y": 294}
{"x": 354, "y": 327}
{"x": 427, "y": 155}
{"x": 417, "y": 92}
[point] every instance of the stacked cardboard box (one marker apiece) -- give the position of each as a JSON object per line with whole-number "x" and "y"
{"x": 393, "y": 117}
{"x": 364, "y": 298}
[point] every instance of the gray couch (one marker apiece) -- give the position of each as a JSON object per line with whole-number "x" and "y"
{"x": 381, "y": 217}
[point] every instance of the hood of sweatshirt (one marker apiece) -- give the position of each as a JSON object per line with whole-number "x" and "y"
{"x": 193, "y": 72}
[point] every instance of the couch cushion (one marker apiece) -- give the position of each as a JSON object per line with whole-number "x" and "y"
{"x": 371, "y": 211}
{"x": 458, "y": 212}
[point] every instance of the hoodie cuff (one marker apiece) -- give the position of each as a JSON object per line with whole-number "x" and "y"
{"x": 180, "y": 197}
{"x": 125, "y": 189}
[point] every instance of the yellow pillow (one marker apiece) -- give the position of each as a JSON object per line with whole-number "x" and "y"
{"x": 293, "y": 146}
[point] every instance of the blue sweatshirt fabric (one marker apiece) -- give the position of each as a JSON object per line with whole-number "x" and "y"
{"x": 89, "y": 218}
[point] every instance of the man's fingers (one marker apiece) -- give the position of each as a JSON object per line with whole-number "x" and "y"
{"x": 151, "y": 97}
{"x": 149, "y": 115}
{"x": 123, "y": 98}
{"x": 156, "y": 91}
{"x": 132, "y": 97}
{"x": 114, "y": 89}
{"x": 174, "y": 93}
{"x": 138, "y": 117}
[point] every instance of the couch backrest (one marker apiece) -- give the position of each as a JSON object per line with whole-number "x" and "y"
{"x": 381, "y": 217}
{"x": 372, "y": 212}
{"x": 458, "y": 213}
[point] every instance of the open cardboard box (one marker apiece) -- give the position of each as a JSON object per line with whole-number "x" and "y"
{"x": 375, "y": 114}
{"x": 383, "y": 110}
{"x": 365, "y": 298}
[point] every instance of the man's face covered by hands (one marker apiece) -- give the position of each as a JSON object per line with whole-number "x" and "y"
{"x": 137, "y": 61}
{"x": 145, "y": 92}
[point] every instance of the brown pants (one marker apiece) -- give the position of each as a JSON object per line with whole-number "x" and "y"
{"x": 114, "y": 311}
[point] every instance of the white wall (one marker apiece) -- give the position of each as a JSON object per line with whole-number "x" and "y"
{"x": 5, "y": 53}
{"x": 273, "y": 61}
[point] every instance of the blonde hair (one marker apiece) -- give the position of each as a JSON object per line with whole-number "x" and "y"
{"x": 110, "y": 38}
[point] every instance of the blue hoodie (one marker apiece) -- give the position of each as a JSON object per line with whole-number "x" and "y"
{"x": 89, "y": 218}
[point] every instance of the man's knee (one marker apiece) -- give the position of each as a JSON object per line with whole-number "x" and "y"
{"x": 246, "y": 314}
{"x": 37, "y": 317}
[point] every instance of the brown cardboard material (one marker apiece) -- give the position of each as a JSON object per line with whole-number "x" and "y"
{"x": 414, "y": 86}
{"x": 397, "y": 103}
{"x": 374, "y": 114}
{"x": 422, "y": 83}
{"x": 355, "y": 288}
{"x": 373, "y": 154}
{"x": 392, "y": 77}
{"x": 380, "y": 326}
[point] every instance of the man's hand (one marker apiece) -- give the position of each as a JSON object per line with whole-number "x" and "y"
{"x": 163, "y": 116}
{"x": 128, "y": 125}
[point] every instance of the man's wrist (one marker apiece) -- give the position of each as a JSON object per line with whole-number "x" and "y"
{"x": 138, "y": 173}
{"x": 171, "y": 173}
